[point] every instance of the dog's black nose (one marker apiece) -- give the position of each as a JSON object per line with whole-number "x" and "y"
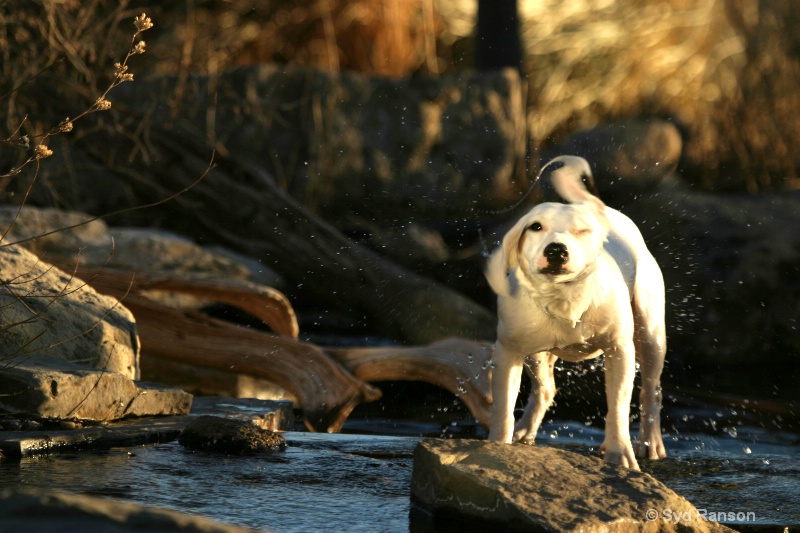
{"x": 556, "y": 253}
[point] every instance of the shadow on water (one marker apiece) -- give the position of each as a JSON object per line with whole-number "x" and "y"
{"x": 733, "y": 457}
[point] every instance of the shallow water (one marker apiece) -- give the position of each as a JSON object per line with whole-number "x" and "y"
{"x": 360, "y": 482}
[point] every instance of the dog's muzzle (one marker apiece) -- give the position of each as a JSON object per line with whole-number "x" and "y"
{"x": 557, "y": 256}
{"x": 556, "y": 253}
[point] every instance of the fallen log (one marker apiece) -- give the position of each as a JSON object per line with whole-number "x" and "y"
{"x": 241, "y": 207}
{"x": 316, "y": 256}
{"x": 459, "y": 365}
{"x": 326, "y": 392}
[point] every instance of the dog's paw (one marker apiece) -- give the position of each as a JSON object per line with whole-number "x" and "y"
{"x": 620, "y": 455}
{"x": 524, "y": 436}
{"x": 652, "y": 448}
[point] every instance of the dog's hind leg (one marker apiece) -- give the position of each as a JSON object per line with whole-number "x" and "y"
{"x": 650, "y": 351}
{"x": 651, "y": 347}
{"x": 506, "y": 376}
{"x": 543, "y": 389}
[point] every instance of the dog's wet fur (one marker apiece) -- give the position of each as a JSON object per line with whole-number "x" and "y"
{"x": 574, "y": 281}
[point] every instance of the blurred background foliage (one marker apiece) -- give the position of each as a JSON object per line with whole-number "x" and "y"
{"x": 726, "y": 71}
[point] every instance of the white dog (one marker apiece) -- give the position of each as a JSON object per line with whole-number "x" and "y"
{"x": 576, "y": 281}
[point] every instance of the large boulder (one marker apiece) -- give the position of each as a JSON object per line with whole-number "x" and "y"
{"x": 69, "y": 352}
{"x": 45, "y": 311}
{"x": 538, "y": 488}
{"x": 627, "y": 158}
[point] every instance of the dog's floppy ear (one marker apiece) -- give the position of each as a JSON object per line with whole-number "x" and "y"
{"x": 505, "y": 258}
{"x": 496, "y": 273}
{"x": 568, "y": 183}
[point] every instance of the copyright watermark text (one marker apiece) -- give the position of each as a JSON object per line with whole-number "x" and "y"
{"x": 706, "y": 515}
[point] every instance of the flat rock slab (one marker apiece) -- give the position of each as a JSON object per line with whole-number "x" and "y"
{"x": 133, "y": 432}
{"x": 35, "y": 511}
{"x": 127, "y": 433}
{"x": 536, "y": 488}
{"x": 51, "y": 388}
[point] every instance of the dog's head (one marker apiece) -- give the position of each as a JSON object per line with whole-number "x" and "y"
{"x": 556, "y": 242}
{"x": 553, "y": 243}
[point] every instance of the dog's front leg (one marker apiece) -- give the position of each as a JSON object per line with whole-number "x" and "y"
{"x": 506, "y": 376}
{"x": 543, "y": 390}
{"x": 620, "y": 367}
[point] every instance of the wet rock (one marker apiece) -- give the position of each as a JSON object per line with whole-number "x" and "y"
{"x": 46, "y": 312}
{"x": 40, "y": 511}
{"x": 57, "y": 389}
{"x": 519, "y": 487}
{"x": 51, "y": 437}
{"x": 234, "y": 437}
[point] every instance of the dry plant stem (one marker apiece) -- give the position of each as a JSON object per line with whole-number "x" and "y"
{"x": 171, "y": 197}
{"x": 121, "y": 75}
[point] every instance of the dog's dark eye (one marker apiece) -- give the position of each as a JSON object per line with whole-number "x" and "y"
{"x": 535, "y": 227}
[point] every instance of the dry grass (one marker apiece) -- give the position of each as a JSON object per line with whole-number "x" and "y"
{"x": 725, "y": 70}
{"x": 387, "y": 38}
{"x": 59, "y": 67}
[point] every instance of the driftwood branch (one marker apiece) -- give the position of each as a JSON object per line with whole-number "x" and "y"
{"x": 461, "y": 366}
{"x": 328, "y": 383}
{"x": 326, "y": 392}
{"x": 265, "y": 303}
